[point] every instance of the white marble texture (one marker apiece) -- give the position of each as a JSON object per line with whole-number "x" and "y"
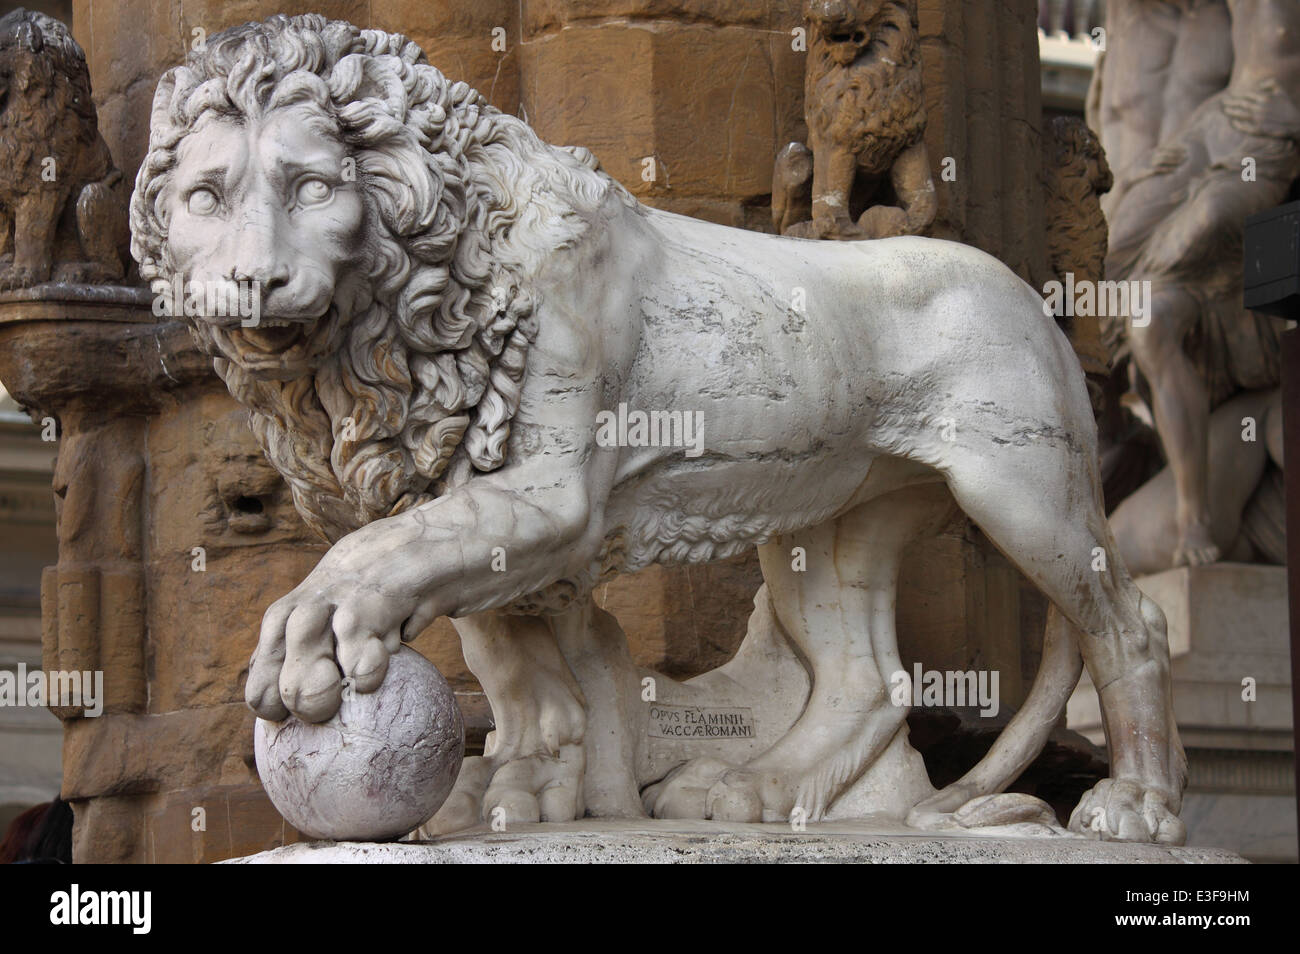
{"x": 381, "y": 766}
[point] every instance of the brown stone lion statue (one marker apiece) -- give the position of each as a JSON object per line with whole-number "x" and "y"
{"x": 62, "y": 204}
{"x": 493, "y": 379}
{"x": 866, "y": 117}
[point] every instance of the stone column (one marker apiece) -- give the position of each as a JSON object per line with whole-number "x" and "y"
{"x": 173, "y": 535}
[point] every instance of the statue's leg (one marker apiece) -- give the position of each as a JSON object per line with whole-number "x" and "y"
{"x": 1182, "y": 412}
{"x": 532, "y": 764}
{"x": 834, "y": 169}
{"x": 840, "y": 614}
{"x": 917, "y": 202}
{"x": 1039, "y": 502}
{"x": 596, "y": 649}
{"x": 6, "y": 236}
{"x": 1145, "y": 525}
{"x": 35, "y": 220}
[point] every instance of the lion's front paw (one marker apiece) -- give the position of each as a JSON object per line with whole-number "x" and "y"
{"x": 86, "y": 273}
{"x": 534, "y": 763}
{"x": 314, "y": 638}
{"x": 1122, "y": 810}
{"x": 23, "y": 276}
{"x": 535, "y": 788}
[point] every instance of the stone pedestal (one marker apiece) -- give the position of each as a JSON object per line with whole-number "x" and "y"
{"x": 685, "y": 842}
{"x": 1229, "y": 644}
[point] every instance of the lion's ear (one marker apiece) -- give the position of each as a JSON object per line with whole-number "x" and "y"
{"x": 162, "y": 101}
{"x": 162, "y": 115}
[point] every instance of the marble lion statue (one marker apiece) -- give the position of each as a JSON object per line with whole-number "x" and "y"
{"x": 450, "y": 308}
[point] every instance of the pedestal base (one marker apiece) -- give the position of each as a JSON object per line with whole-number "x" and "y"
{"x": 687, "y": 842}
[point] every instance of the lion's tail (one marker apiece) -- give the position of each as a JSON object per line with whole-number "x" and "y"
{"x": 1027, "y": 732}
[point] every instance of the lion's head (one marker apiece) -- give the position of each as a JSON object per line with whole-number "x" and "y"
{"x": 849, "y": 28}
{"x": 392, "y": 220}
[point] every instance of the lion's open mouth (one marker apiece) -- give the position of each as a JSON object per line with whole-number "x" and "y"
{"x": 854, "y": 37}
{"x": 270, "y": 336}
{"x": 273, "y": 348}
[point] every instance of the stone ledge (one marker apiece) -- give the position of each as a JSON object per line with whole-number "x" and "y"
{"x": 69, "y": 293}
{"x": 687, "y": 842}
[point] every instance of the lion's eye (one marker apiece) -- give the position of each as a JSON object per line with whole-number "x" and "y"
{"x": 314, "y": 192}
{"x": 203, "y": 202}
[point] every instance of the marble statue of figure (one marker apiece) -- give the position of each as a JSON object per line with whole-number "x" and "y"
{"x": 1189, "y": 171}
{"x": 452, "y": 314}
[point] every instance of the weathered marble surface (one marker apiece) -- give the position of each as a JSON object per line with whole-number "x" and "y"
{"x": 382, "y": 765}
{"x": 685, "y": 842}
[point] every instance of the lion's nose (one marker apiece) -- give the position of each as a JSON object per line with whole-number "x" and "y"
{"x": 269, "y": 277}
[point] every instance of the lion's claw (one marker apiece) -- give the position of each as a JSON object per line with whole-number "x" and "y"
{"x": 1122, "y": 810}
{"x": 735, "y": 798}
{"x": 519, "y": 791}
{"x": 316, "y": 694}
{"x": 23, "y": 276}
{"x": 312, "y": 640}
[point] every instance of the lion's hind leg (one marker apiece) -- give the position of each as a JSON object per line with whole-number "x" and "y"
{"x": 840, "y": 614}
{"x": 1039, "y": 501}
{"x": 533, "y": 764}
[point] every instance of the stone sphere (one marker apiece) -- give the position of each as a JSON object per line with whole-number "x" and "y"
{"x": 378, "y": 769}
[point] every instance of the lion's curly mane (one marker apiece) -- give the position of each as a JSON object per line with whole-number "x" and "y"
{"x": 416, "y": 389}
